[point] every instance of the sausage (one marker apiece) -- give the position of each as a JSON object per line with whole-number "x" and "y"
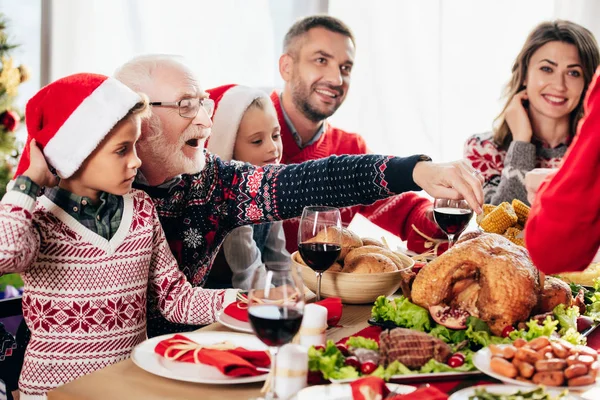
{"x": 526, "y": 370}
{"x": 582, "y": 380}
{"x": 565, "y": 344}
{"x": 509, "y": 351}
{"x": 503, "y": 367}
{"x": 594, "y": 369}
{"x": 549, "y": 378}
{"x": 544, "y": 350}
{"x": 553, "y": 364}
{"x": 539, "y": 342}
{"x": 587, "y": 360}
{"x": 585, "y": 350}
{"x": 520, "y": 342}
{"x": 559, "y": 350}
{"x": 496, "y": 350}
{"x": 527, "y": 355}
{"x": 575, "y": 370}
{"x": 573, "y": 360}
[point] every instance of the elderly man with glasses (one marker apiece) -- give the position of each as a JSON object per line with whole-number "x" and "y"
{"x": 200, "y": 199}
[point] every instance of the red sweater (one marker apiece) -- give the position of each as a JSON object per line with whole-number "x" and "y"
{"x": 395, "y": 214}
{"x": 563, "y": 228}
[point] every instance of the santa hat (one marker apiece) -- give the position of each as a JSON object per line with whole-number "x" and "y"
{"x": 71, "y": 116}
{"x": 231, "y": 103}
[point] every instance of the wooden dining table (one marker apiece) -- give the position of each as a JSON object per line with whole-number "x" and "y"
{"x": 125, "y": 380}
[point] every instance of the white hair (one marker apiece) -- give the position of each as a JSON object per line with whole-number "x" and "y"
{"x": 137, "y": 72}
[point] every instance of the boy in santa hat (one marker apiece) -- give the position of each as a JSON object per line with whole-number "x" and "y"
{"x": 245, "y": 128}
{"x": 90, "y": 248}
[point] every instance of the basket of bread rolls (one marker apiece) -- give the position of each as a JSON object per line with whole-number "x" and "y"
{"x": 365, "y": 269}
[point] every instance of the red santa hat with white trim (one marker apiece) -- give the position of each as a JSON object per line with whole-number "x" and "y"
{"x": 231, "y": 103}
{"x": 70, "y": 117}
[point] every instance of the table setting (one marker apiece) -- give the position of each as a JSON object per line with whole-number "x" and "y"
{"x": 403, "y": 343}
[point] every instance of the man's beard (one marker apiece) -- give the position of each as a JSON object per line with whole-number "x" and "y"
{"x": 166, "y": 156}
{"x": 300, "y": 98}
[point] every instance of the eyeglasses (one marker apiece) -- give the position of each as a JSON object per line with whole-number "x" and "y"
{"x": 188, "y": 108}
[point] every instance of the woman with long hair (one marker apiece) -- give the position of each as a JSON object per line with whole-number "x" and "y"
{"x": 544, "y": 104}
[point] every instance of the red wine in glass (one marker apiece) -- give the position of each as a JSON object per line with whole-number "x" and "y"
{"x": 320, "y": 239}
{"x": 452, "y": 220}
{"x": 275, "y": 308}
{"x": 319, "y": 256}
{"x": 275, "y": 325}
{"x": 452, "y": 216}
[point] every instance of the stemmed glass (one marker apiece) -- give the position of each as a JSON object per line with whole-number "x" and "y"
{"x": 452, "y": 216}
{"x": 320, "y": 239}
{"x": 275, "y": 309}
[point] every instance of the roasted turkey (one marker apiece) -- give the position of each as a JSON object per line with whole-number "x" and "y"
{"x": 487, "y": 275}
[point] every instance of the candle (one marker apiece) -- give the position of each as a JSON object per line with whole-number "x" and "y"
{"x": 291, "y": 371}
{"x": 314, "y": 325}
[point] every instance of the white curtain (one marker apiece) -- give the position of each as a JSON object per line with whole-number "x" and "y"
{"x": 430, "y": 73}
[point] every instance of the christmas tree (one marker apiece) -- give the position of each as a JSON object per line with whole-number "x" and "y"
{"x": 11, "y": 77}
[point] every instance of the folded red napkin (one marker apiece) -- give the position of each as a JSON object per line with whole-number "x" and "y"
{"x": 424, "y": 393}
{"x": 369, "y": 388}
{"x": 232, "y": 362}
{"x": 239, "y": 310}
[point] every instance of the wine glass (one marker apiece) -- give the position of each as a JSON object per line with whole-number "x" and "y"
{"x": 275, "y": 309}
{"x": 320, "y": 239}
{"x": 452, "y": 216}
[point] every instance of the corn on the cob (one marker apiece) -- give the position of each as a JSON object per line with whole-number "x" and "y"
{"x": 518, "y": 241}
{"x": 512, "y": 232}
{"x": 487, "y": 208}
{"x": 499, "y": 219}
{"x": 521, "y": 209}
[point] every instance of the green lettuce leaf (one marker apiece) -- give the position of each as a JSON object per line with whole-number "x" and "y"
{"x": 401, "y": 312}
{"x": 330, "y": 362}
{"x": 535, "y": 330}
{"x": 359, "y": 342}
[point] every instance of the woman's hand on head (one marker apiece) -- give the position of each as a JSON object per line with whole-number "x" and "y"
{"x": 38, "y": 170}
{"x": 517, "y": 118}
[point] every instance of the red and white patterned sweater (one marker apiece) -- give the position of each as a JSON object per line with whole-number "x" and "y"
{"x": 85, "y": 296}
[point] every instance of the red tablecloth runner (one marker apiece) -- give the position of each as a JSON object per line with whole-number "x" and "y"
{"x": 372, "y": 332}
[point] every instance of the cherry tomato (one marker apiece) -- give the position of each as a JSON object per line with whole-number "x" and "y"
{"x": 343, "y": 349}
{"x": 352, "y": 361}
{"x": 368, "y": 367}
{"x": 507, "y": 330}
{"x": 456, "y": 360}
{"x": 319, "y": 347}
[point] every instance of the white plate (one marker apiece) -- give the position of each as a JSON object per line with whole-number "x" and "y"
{"x": 418, "y": 377}
{"x": 143, "y": 356}
{"x": 482, "y": 358}
{"x": 505, "y": 389}
{"x": 233, "y": 323}
{"x": 337, "y": 391}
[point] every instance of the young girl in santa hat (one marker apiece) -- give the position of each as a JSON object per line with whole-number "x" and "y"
{"x": 245, "y": 128}
{"x": 90, "y": 248}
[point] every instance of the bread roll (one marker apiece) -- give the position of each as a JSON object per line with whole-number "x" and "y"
{"x": 350, "y": 240}
{"x": 372, "y": 242}
{"x": 374, "y": 250}
{"x": 336, "y": 267}
{"x": 370, "y": 263}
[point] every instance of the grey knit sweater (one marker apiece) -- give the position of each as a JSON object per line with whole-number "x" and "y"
{"x": 504, "y": 170}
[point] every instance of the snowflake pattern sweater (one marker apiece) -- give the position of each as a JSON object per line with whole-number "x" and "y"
{"x": 396, "y": 214}
{"x": 85, "y": 296}
{"x": 200, "y": 210}
{"x": 504, "y": 170}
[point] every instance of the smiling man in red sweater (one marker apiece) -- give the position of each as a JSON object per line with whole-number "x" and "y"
{"x": 316, "y": 65}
